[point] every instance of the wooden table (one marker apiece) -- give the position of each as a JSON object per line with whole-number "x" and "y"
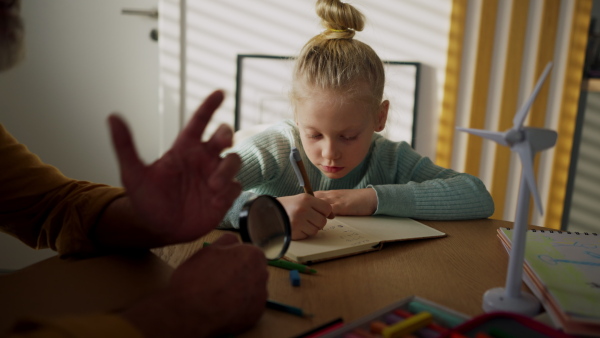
{"x": 453, "y": 271}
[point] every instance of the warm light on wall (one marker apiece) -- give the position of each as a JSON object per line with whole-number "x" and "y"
{"x": 217, "y": 31}
{"x": 515, "y": 41}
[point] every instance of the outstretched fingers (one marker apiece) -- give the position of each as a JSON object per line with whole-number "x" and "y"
{"x": 223, "y": 184}
{"x": 195, "y": 127}
{"x": 220, "y": 140}
{"x": 225, "y": 172}
{"x": 129, "y": 161}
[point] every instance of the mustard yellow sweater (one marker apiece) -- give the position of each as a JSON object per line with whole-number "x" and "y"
{"x": 45, "y": 209}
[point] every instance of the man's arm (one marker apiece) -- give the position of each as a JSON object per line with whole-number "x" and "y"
{"x": 219, "y": 290}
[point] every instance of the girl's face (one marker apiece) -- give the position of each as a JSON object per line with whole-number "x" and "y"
{"x": 336, "y": 132}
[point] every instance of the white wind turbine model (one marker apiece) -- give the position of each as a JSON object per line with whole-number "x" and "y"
{"x": 526, "y": 142}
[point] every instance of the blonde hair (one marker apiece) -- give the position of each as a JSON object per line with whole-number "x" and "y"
{"x": 333, "y": 60}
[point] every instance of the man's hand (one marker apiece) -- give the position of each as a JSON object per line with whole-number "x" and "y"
{"x": 220, "y": 290}
{"x": 307, "y": 214}
{"x": 184, "y": 194}
{"x": 350, "y": 202}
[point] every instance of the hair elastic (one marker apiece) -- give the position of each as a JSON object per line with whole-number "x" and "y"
{"x": 338, "y": 30}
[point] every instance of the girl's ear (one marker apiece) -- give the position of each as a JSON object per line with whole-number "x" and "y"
{"x": 382, "y": 115}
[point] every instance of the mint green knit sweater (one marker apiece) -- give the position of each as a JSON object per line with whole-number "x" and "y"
{"x": 407, "y": 184}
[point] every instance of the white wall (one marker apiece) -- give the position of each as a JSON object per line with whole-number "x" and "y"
{"x": 407, "y": 30}
{"x": 84, "y": 61}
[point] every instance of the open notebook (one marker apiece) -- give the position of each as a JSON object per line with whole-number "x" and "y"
{"x": 345, "y": 235}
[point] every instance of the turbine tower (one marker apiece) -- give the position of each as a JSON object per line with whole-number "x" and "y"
{"x": 526, "y": 142}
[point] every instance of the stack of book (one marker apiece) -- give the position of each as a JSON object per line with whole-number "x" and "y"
{"x": 562, "y": 269}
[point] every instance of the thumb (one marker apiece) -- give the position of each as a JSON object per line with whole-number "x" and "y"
{"x": 129, "y": 162}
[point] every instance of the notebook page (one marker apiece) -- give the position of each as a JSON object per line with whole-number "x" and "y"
{"x": 336, "y": 238}
{"x": 388, "y": 228}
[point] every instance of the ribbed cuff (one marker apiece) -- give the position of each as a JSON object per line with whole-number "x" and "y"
{"x": 394, "y": 200}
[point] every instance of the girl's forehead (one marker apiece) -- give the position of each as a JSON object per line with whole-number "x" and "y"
{"x": 316, "y": 106}
{"x": 338, "y": 107}
{"x": 334, "y": 100}
{"x": 338, "y": 128}
{"x": 357, "y": 90}
{"x": 319, "y": 115}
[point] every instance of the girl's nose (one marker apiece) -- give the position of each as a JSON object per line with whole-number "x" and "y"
{"x": 330, "y": 151}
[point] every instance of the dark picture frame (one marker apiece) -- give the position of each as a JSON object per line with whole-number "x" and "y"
{"x": 263, "y": 83}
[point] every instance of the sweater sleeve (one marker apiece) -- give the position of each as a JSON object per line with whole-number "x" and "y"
{"x": 263, "y": 156}
{"x": 424, "y": 190}
{"x": 88, "y": 326}
{"x": 42, "y": 207}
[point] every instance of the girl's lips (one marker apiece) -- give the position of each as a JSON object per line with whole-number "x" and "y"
{"x": 332, "y": 169}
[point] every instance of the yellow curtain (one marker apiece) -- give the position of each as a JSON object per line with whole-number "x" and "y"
{"x": 448, "y": 112}
{"x": 514, "y": 42}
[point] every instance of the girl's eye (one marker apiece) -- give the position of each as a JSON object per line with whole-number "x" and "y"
{"x": 346, "y": 138}
{"x": 314, "y": 135}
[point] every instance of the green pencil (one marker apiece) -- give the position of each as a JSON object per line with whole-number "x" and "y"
{"x": 271, "y": 304}
{"x": 282, "y": 263}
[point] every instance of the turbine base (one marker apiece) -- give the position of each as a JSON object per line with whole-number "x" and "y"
{"x": 496, "y": 300}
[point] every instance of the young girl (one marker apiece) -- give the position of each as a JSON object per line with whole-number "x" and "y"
{"x": 337, "y": 94}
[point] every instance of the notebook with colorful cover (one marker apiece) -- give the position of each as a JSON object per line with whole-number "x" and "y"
{"x": 562, "y": 269}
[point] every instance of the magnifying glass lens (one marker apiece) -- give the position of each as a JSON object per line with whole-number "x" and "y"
{"x": 265, "y": 223}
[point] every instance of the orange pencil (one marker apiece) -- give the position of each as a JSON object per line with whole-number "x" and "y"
{"x": 296, "y": 161}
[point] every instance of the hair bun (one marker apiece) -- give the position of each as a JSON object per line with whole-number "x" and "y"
{"x": 340, "y": 20}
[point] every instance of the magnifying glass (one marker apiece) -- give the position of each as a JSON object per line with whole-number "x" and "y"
{"x": 264, "y": 223}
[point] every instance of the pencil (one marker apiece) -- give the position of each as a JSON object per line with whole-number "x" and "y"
{"x": 281, "y": 263}
{"x": 408, "y": 326}
{"x": 321, "y": 330}
{"x": 271, "y": 304}
{"x": 300, "y": 171}
{"x": 447, "y": 319}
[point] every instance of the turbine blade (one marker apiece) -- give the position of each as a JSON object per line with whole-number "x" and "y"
{"x": 521, "y": 114}
{"x": 495, "y": 136}
{"x": 540, "y": 138}
{"x": 526, "y": 155}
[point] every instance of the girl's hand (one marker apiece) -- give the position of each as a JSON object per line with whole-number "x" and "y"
{"x": 307, "y": 214}
{"x": 350, "y": 202}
